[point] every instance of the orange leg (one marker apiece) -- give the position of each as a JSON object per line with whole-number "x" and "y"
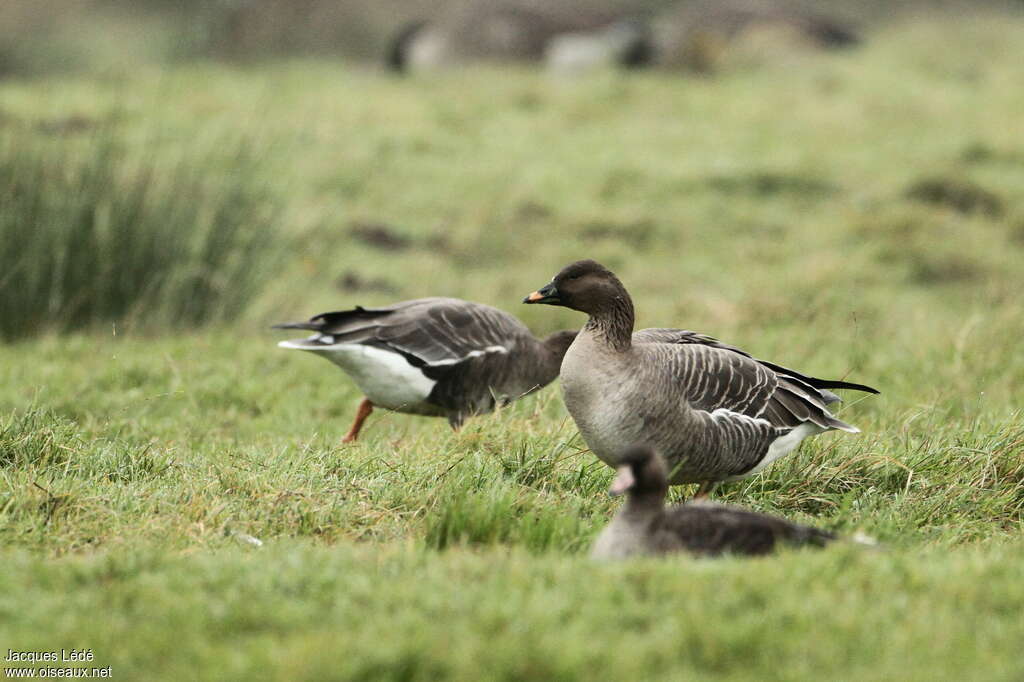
{"x": 365, "y": 408}
{"x": 704, "y": 491}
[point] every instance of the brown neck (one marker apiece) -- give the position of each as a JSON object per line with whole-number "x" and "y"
{"x": 644, "y": 504}
{"x": 553, "y": 349}
{"x": 550, "y": 362}
{"x": 614, "y": 322}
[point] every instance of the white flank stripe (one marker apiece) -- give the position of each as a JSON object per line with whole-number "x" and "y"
{"x": 784, "y": 445}
{"x": 471, "y": 354}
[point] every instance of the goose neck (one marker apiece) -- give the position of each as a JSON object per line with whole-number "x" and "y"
{"x": 644, "y": 505}
{"x": 613, "y": 323}
{"x": 550, "y": 361}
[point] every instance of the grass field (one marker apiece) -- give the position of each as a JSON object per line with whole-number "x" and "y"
{"x": 858, "y": 215}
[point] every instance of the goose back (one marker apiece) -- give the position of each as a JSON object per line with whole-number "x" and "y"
{"x": 711, "y": 529}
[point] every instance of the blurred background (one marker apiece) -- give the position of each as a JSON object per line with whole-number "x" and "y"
{"x": 113, "y": 35}
{"x": 744, "y": 164}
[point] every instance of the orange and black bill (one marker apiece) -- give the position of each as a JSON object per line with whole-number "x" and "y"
{"x": 548, "y": 294}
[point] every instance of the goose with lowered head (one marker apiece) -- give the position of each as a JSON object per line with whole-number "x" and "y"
{"x": 441, "y": 357}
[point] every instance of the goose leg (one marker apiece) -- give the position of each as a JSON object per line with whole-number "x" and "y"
{"x": 365, "y": 408}
{"x": 704, "y": 491}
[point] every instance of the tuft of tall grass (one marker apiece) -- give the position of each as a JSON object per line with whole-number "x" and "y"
{"x": 93, "y": 235}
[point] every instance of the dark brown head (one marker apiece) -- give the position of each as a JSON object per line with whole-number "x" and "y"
{"x": 641, "y": 473}
{"x": 585, "y": 285}
{"x": 559, "y": 342}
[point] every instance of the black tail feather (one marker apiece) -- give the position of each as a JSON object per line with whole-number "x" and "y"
{"x": 337, "y": 322}
{"x": 816, "y": 382}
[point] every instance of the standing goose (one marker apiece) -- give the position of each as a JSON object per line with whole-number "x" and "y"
{"x": 714, "y": 412}
{"x": 643, "y": 526}
{"x": 441, "y": 357}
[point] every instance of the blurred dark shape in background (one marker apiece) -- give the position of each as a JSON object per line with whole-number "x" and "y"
{"x": 693, "y": 35}
{"x": 696, "y": 35}
{"x": 958, "y": 194}
{"x": 627, "y": 43}
{"x": 47, "y": 36}
{"x": 495, "y": 32}
{"x": 379, "y": 236}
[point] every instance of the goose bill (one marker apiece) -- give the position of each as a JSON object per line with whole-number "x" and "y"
{"x": 548, "y": 294}
{"x": 624, "y": 480}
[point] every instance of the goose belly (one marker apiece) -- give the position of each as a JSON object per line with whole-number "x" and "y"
{"x": 608, "y": 431}
{"x": 386, "y": 378}
{"x": 607, "y": 422}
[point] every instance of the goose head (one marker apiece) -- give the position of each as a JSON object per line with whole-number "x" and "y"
{"x": 641, "y": 473}
{"x": 585, "y": 285}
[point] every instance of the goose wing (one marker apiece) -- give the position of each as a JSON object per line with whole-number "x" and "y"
{"x": 809, "y": 384}
{"x": 733, "y": 387}
{"x": 430, "y": 332}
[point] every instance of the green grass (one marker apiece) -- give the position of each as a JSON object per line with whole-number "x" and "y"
{"x": 103, "y": 236}
{"x": 779, "y": 209}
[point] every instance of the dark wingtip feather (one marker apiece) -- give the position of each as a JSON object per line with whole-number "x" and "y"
{"x": 826, "y": 383}
{"x": 313, "y": 326}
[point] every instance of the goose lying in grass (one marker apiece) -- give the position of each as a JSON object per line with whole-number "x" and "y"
{"x": 439, "y": 357}
{"x": 712, "y": 410}
{"x": 643, "y": 526}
